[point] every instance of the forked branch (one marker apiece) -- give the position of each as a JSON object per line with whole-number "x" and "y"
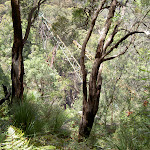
{"x": 119, "y": 42}
{"x": 82, "y": 63}
{"x": 115, "y": 56}
{"x": 110, "y": 39}
{"x": 105, "y": 29}
{"x": 31, "y": 18}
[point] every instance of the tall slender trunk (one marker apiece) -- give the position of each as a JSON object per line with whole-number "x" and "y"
{"x": 17, "y": 69}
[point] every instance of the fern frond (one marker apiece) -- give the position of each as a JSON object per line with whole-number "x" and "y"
{"x": 15, "y": 140}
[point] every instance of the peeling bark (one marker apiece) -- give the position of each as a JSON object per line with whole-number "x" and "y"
{"x": 17, "y": 69}
{"x": 104, "y": 48}
{"x": 90, "y": 106}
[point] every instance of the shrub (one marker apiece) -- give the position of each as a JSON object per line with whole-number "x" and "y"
{"x": 133, "y": 132}
{"x": 26, "y": 116}
{"x": 54, "y": 117}
{"x": 35, "y": 116}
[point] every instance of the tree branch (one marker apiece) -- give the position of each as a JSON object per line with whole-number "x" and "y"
{"x": 31, "y": 19}
{"x": 120, "y": 41}
{"x": 91, "y": 28}
{"x": 115, "y": 56}
{"x": 95, "y": 77}
{"x": 83, "y": 69}
{"x": 139, "y": 22}
{"x": 110, "y": 39}
{"x": 7, "y": 95}
{"x": 106, "y": 28}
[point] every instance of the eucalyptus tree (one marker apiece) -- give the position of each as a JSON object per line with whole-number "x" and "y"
{"x": 114, "y": 35}
{"x": 17, "y": 70}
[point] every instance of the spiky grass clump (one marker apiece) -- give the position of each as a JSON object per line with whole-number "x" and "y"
{"x": 26, "y": 116}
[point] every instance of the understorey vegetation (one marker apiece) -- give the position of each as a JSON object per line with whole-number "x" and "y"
{"x": 75, "y": 74}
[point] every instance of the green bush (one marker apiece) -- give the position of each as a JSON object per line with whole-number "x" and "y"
{"x": 26, "y": 116}
{"x": 54, "y": 117}
{"x": 38, "y": 117}
{"x": 16, "y": 140}
{"x": 133, "y": 133}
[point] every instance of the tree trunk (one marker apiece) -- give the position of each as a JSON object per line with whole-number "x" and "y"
{"x": 104, "y": 47}
{"x": 17, "y": 69}
{"x": 90, "y": 107}
{"x": 87, "y": 119}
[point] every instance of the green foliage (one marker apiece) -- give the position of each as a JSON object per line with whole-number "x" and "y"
{"x": 79, "y": 17}
{"x": 35, "y": 117}
{"x": 6, "y": 37}
{"x": 26, "y": 117}
{"x": 15, "y": 140}
{"x": 40, "y": 115}
{"x": 62, "y": 27}
{"x": 143, "y": 2}
{"x": 2, "y": 8}
{"x": 50, "y": 147}
{"x": 2, "y": 135}
{"x": 133, "y": 132}
{"x": 40, "y": 75}
{"x": 3, "y": 80}
{"x": 53, "y": 117}
{"x": 26, "y": 6}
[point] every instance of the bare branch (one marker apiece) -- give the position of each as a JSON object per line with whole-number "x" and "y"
{"x": 105, "y": 30}
{"x": 7, "y": 95}
{"x": 107, "y": 7}
{"x": 91, "y": 27}
{"x": 32, "y": 18}
{"x": 120, "y": 41}
{"x": 145, "y": 25}
{"x": 83, "y": 69}
{"x": 139, "y": 22}
{"x": 115, "y": 56}
{"x": 136, "y": 49}
{"x": 110, "y": 39}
